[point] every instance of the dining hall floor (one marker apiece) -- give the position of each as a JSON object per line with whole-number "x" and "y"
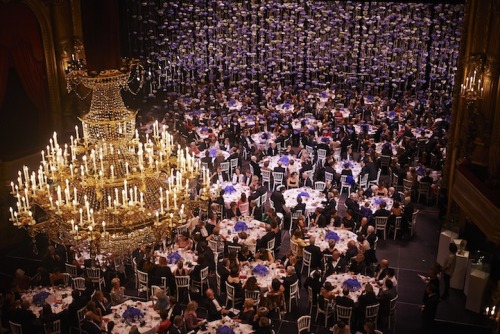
{"x": 408, "y": 258}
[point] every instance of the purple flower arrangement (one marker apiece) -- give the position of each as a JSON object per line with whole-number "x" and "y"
{"x": 303, "y": 194}
{"x": 285, "y": 161}
{"x": 260, "y": 270}
{"x": 174, "y": 258}
{"x": 240, "y": 226}
{"x": 229, "y": 189}
{"x": 132, "y": 314}
{"x": 212, "y": 152}
{"x": 39, "y": 298}
{"x": 265, "y": 135}
{"x": 331, "y": 235}
{"x": 224, "y": 330}
{"x": 352, "y": 284}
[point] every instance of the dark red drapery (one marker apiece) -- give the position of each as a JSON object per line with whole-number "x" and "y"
{"x": 21, "y": 46}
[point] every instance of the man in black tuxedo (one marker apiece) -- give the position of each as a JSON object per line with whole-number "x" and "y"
{"x": 270, "y": 235}
{"x": 330, "y": 205}
{"x": 316, "y": 254}
{"x": 382, "y": 212}
{"x": 272, "y": 150}
{"x": 407, "y": 217}
{"x": 338, "y": 265}
{"x": 208, "y": 160}
{"x": 89, "y": 324}
{"x": 306, "y": 181}
{"x": 214, "y": 309}
{"x": 307, "y": 165}
{"x": 279, "y": 168}
{"x": 344, "y": 300}
{"x": 219, "y": 176}
{"x": 26, "y": 318}
{"x": 385, "y": 297}
{"x": 300, "y": 206}
{"x": 255, "y": 211}
{"x": 279, "y": 199}
{"x": 255, "y": 166}
{"x": 290, "y": 278}
{"x": 352, "y": 251}
{"x": 320, "y": 219}
{"x": 369, "y": 167}
{"x": 224, "y": 272}
{"x": 177, "y": 326}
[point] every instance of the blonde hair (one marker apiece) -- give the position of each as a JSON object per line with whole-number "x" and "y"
{"x": 191, "y": 306}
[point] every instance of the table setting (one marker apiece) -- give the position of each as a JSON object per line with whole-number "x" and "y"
{"x": 203, "y": 131}
{"x": 355, "y": 284}
{"x": 255, "y": 229}
{"x": 324, "y": 235}
{"x": 226, "y": 325}
{"x": 375, "y": 202}
{"x": 130, "y": 313}
{"x": 212, "y": 153}
{"x": 285, "y": 161}
{"x": 177, "y": 254}
{"x": 311, "y": 197}
{"x": 264, "y": 271}
{"x": 57, "y": 297}
{"x": 264, "y": 138}
{"x": 232, "y": 192}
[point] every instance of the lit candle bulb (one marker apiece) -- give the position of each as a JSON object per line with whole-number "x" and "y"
{"x": 77, "y": 134}
{"x": 104, "y": 226}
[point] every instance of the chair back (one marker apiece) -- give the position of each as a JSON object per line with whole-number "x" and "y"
{"x": 294, "y": 290}
{"x": 80, "y": 314}
{"x": 294, "y": 247}
{"x": 371, "y": 312}
{"x": 407, "y": 185}
{"x": 224, "y": 166}
{"x": 304, "y": 323}
{"x": 143, "y": 282}
{"x": 343, "y": 181}
{"x": 244, "y": 208}
{"x": 218, "y": 283}
{"x": 255, "y": 295}
{"x": 53, "y": 327}
{"x": 72, "y": 270}
{"x": 380, "y": 222}
{"x": 395, "y": 181}
{"x": 413, "y": 222}
{"x": 266, "y": 177}
{"x": 182, "y": 281}
{"x": 204, "y": 274}
{"x": 306, "y": 257}
{"x": 155, "y": 289}
{"x": 230, "y": 291}
{"x": 94, "y": 274}
{"x": 67, "y": 279}
{"x": 79, "y": 283}
{"x": 326, "y": 258}
{"x": 263, "y": 199}
{"x": 319, "y": 185}
{"x": 363, "y": 181}
{"x": 214, "y": 246}
{"x": 393, "y": 305}
{"x": 344, "y": 313}
{"x": 278, "y": 179}
{"x": 385, "y": 161}
{"x": 15, "y": 328}
{"x": 270, "y": 244}
{"x": 234, "y": 249}
{"x": 328, "y": 177}
{"x": 234, "y": 163}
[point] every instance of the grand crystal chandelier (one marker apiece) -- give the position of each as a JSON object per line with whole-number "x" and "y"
{"x": 107, "y": 191}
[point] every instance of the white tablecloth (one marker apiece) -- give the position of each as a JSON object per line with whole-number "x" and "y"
{"x": 151, "y": 317}
{"x": 187, "y": 256}
{"x": 310, "y": 122}
{"x": 375, "y": 201}
{"x": 264, "y": 138}
{"x": 230, "y": 195}
{"x": 338, "y": 280}
{"x": 226, "y": 321}
{"x": 256, "y": 229}
{"x": 341, "y": 245}
{"x": 273, "y": 161}
{"x": 202, "y": 131}
{"x": 356, "y": 168}
{"x": 312, "y": 202}
{"x": 55, "y": 299}
{"x": 264, "y": 281}
{"x": 213, "y": 154}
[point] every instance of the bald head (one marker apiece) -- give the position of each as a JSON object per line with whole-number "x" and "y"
{"x": 384, "y": 263}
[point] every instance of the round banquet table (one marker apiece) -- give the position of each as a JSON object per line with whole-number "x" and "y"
{"x": 202, "y": 131}
{"x": 255, "y": 229}
{"x": 312, "y": 201}
{"x": 264, "y": 138}
{"x": 263, "y": 279}
{"x": 237, "y": 327}
{"x": 375, "y": 201}
{"x": 285, "y": 108}
{"x": 355, "y": 167}
{"x": 213, "y": 154}
{"x": 151, "y": 318}
{"x": 321, "y": 235}
{"x": 233, "y": 105}
{"x": 338, "y": 280}
{"x": 187, "y": 256}
{"x": 59, "y": 298}
{"x": 378, "y": 148}
{"x": 285, "y": 159}
{"x": 416, "y": 132}
{"x": 232, "y": 192}
{"x": 297, "y": 123}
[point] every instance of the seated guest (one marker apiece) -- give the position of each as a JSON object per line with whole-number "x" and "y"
{"x": 336, "y": 265}
{"x": 183, "y": 241}
{"x": 90, "y": 324}
{"x": 234, "y": 280}
{"x": 300, "y": 206}
{"x": 293, "y": 181}
{"x": 255, "y": 211}
{"x": 306, "y": 181}
{"x": 315, "y": 251}
{"x": 177, "y": 326}
{"x": 191, "y": 317}
{"x": 101, "y": 303}
{"x": 264, "y": 255}
{"x": 331, "y": 247}
{"x": 174, "y": 308}
{"x": 288, "y": 280}
{"x": 279, "y": 168}
{"x": 352, "y": 250}
{"x": 315, "y": 282}
{"x": 297, "y": 238}
{"x": 264, "y": 326}
{"x": 219, "y": 176}
{"x": 358, "y": 265}
{"x": 180, "y": 270}
{"x": 195, "y": 273}
{"x": 244, "y": 255}
{"x": 367, "y": 298}
{"x": 348, "y": 221}
{"x": 270, "y": 235}
{"x": 224, "y": 272}
{"x": 320, "y": 219}
{"x": 292, "y": 167}
{"x": 272, "y": 150}
{"x": 382, "y": 211}
{"x": 344, "y": 299}
{"x": 243, "y": 204}
{"x": 214, "y": 309}
{"x": 26, "y": 318}
{"x": 165, "y": 322}
{"x": 238, "y": 177}
{"x": 275, "y": 295}
{"x": 366, "y": 211}
{"x": 233, "y": 211}
{"x": 161, "y": 303}
{"x": 248, "y": 313}
{"x": 382, "y": 190}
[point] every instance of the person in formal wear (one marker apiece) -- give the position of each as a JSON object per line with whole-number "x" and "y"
{"x": 344, "y": 299}
{"x": 300, "y": 206}
{"x": 336, "y": 265}
{"x": 367, "y": 298}
{"x": 306, "y": 181}
{"x": 214, "y": 309}
{"x": 279, "y": 200}
{"x": 238, "y": 177}
{"x": 255, "y": 166}
{"x": 101, "y": 303}
{"x": 288, "y": 280}
{"x": 358, "y": 265}
{"x": 255, "y": 211}
{"x": 279, "y": 168}
{"x": 272, "y": 150}
{"x": 385, "y": 297}
{"x": 382, "y": 211}
{"x": 193, "y": 322}
{"x": 233, "y": 211}
{"x": 177, "y": 326}
{"x": 449, "y": 268}
{"x": 248, "y": 313}
{"x": 293, "y": 181}
{"x": 352, "y": 250}
{"x": 429, "y": 308}
{"x": 26, "y": 318}
{"x": 316, "y": 254}
{"x": 219, "y": 176}
{"x": 90, "y": 324}
{"x": 298, "y": 239}
{"x": 348, "y": 222}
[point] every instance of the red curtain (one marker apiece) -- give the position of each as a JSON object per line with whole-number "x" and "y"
{"x": 21, "y": 47}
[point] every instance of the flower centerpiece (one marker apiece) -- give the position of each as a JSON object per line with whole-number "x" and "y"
{"x": 260, "y": 270}
{"x": 229, "y": 189}
{"x": 303, "y": 194}
{"x": 265, "y": 135}
{"x": 284, "y": 160}
{"x": 240, "y": 226}
{"x": 224, "y": 330}
{"x": 331, "y": 235}
{"x": 174, "y": 258}
{"x": 212, "y": 152}
{"x": 39, "y": 298}
{"x": 352, "y": 284}
{"x": 132, "y": 314}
